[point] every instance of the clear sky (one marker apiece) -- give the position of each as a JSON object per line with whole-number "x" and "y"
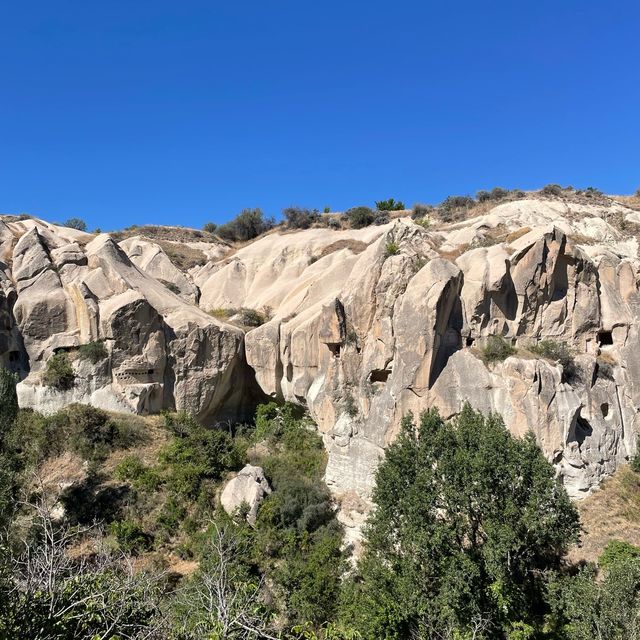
{"x": 184, "y": 111}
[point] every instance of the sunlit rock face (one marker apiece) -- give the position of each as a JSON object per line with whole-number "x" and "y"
{"x": 362, "y": 327}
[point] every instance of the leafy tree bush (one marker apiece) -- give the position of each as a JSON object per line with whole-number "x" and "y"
{"x": 467, "y": 520}
{"x": 93, "y": 351}
{"x": 75, "y": 223}
{"x": 209, "y": 227}
{"x": 8, "y": 401}
{"x": 618, "y": 551}
{"x": 607, "y": 607}
{"x": 248, "y": 224}
{"x": 389, "y": 205}
{"x": 59, "y": 373}
{"x": 497, "y": 349}
{"x": 359, "y": 217}
{"x": 298, "y": 218}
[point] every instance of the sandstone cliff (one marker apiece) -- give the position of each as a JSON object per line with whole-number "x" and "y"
{"x": 364, "y": 325}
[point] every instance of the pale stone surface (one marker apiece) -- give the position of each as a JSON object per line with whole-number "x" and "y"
{"x": 249, "y": 487}
{"x": 359, "y": 334}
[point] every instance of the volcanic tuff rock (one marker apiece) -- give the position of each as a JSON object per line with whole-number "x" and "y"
{"x": 249, "y": 487}
{"x": 363, "y": 326}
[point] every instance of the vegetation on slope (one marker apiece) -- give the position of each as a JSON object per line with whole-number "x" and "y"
{"x": 468, "y": 538}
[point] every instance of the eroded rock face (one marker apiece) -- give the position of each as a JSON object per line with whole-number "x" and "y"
{"x": 61, "y": 291}
{"x": 364, "y": 326}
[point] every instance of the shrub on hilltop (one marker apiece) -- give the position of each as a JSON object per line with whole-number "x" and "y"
{"x": 248, "y": 224}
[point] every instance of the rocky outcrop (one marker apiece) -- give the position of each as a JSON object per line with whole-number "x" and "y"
{"x": 162, "y": 351}
{"x": 363, "y": 327}
{"x": 249, "y": 488}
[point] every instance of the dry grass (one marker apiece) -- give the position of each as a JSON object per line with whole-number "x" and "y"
{"x": 611, "y": 513}
{"x": 356, "y": 246}
{"x": 514, "y": 235}
{"x": 172, "y": 234}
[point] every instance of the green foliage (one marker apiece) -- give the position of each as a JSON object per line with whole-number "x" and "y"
{"x": 59, "y": 373}
{"x": 618, "y": 551}
{"x": 298, "y": 218}
{"x": 558, "y": 352}
{"x": 497, "y": 193}
{"x": 467, "y": 519}
{"x": 391, "y": 249}
{"x": 195, "y": 455}
{"x": 585, "y": 607}
{"x": 142, "y": 477}
{"x": 497, "y": 349}
{"x": 90, "y": 432}
{"x": 130, "y": 536}
{"x": 359, "y": 217}
{"x": 389, "y": 205}
{"x": 209, "y": 227}
{"x": 93, "y": 351}
{"x": 75, "y": 223}
{"x": 326, "y": 210}
{"x": 248, "y": 224}
{"x": 8, "y": 400}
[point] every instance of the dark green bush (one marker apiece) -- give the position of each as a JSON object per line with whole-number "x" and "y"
{"x": 93, "y": 351}
{"x": 497, "y": 349}
{"x": 130, "y": 536}
{"x": 248, "y": 224}
{"x": 359, "y": 217}
{"x": 389, "y": 205}
{"x": 59, "y": 373}
{"x": 618, "y": 551}
{"x": 298, "y": 218}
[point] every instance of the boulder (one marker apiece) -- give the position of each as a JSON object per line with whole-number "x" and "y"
{"x": 249, "y": 487}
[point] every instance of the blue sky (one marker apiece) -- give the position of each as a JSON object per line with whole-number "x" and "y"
{"x": 162, "y": 112}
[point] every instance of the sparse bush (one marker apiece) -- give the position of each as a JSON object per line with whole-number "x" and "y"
{"x": 392, "y": 249}
{"x": 59, "y": 373}
{"x": 483, "y": 196}
{"x": 618, "y": 551}
{"x": 382, "y": 217}
{"x": 93, "y": 351}
{"x": 425, "y": 222}
{"x": 635, "y": 462}
{"x": 360, "y": 217}
{"x": 389, "y": 205}
{"x": 252, "y": 317}
{"x": 222, "y": 314}
{"x": 552, "y": 190}
{"x": 249, "y": 224}
{"x": 552, "y": 350}
{"x": 209, "y": 227}
{"x": 421, "y": 210}
{"x": 298, "y": 218}
{"x": 498, "y": 193}
{"x": 592, "y": 192}
{"x": 75, "y": 223}
{"x": 350, "y": 406}
{"x": 326, "y": 210}
{"x": 334, "y": 223}
{"x": 454, "y": 207}
{"x": 497, "y": 349}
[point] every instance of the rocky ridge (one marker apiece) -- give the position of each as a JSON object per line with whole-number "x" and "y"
{"x": 364, "y": 325}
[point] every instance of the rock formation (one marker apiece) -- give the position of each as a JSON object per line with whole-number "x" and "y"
{"x": 249, "y": 488}
{"x": 364, "y": 326}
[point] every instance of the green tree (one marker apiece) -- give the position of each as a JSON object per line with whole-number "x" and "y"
{"x": 467, "y": 520}
{"x": 75, "y": 223}
{"x": 606, "y": 607}
{"x": 8, "y": 400}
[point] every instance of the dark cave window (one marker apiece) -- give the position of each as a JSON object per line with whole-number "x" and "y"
{"x": 335, "y": 349}
{"x": 605, "y": 338}
{"x": 604, "y": 407}
{"x": 470, "y": 341}
{"x": 379, "y": 375}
